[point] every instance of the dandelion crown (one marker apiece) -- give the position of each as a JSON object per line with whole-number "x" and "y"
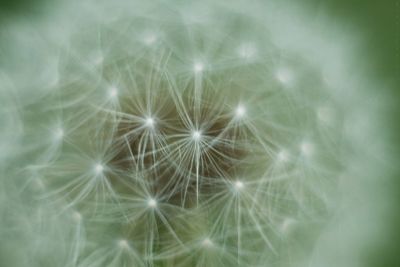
{"x": 179, "y": 135}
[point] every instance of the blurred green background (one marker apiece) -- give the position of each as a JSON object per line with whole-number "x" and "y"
{"x": 378, "y": 22}
{"x": 379, "y": 25}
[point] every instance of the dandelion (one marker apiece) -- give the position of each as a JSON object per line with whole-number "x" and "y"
{"x": 179, "y": 162}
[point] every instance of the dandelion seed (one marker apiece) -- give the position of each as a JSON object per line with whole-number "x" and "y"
{"x": 149, "y": 122}
{"x": 196, "y": 135}
{"x": 38, "y": 184}
{"x": 76, "y": 216}
{"x": 150, "y": 39}
{"x": 324, "y": 114}
{"x": 306, "y": 149}
{"x": 123, "y": 244}
{"x": 240, "y": 111}
{"x": 287, "y": 224}
{"x": 152, "y": 203}
{"x": 99, "y": 60}
{"x": 198, "y": 67}
{"x": 113, "y": 92}
{"x": 59, "y": 134}
{"x": 247, "y": 51}
{"x": 283, "y": 156}
{"x": 207, "y": 243}
{"x": 99, "y": 168}
{"x": 239, "y": 185}
{"x": 284, "y": 76}
{"x": 96, "y": 57}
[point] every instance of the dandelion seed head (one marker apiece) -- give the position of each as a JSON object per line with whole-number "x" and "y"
{"x": 154, "y": 173}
